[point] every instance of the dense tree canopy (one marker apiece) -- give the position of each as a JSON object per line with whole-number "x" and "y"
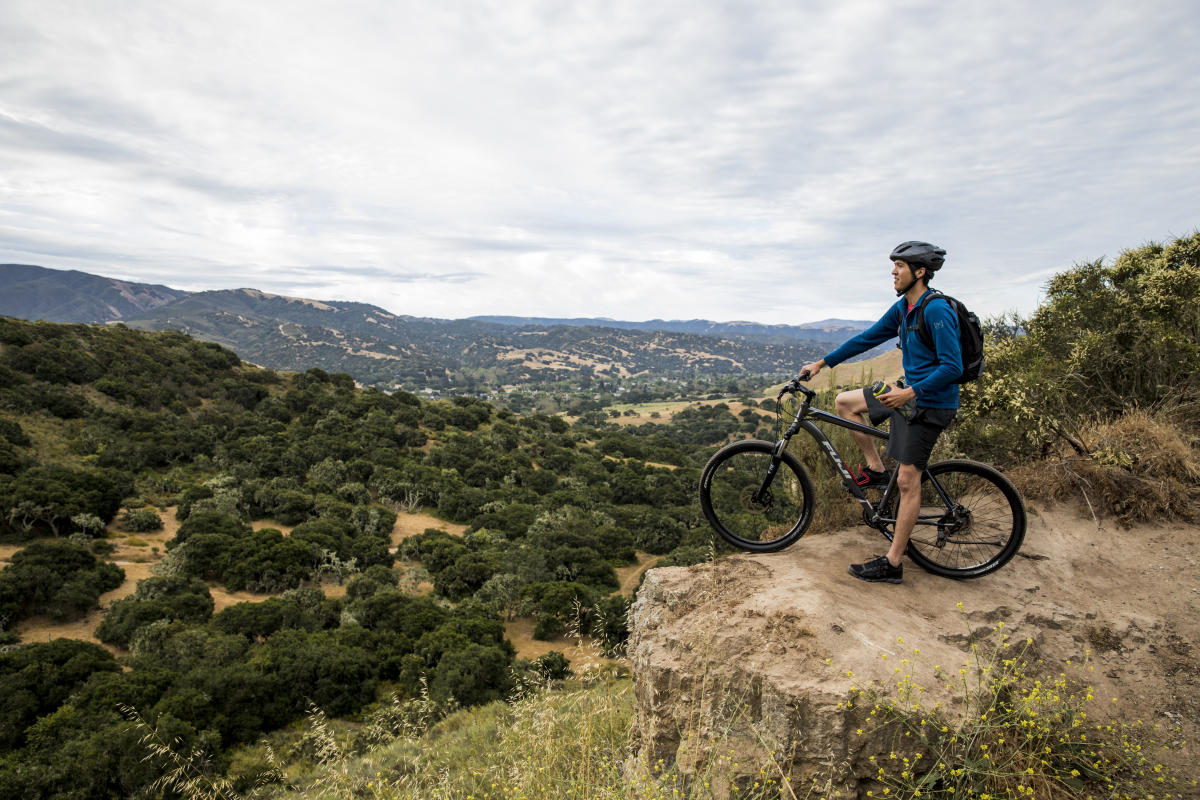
{"x": 158, "y": 419}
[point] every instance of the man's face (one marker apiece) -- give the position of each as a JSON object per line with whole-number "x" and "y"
{"x": 902, "y": 274}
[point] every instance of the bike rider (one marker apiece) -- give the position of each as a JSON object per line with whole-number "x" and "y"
{"x": 931, "y": 381}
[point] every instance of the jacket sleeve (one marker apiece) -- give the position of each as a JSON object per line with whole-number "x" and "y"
{"x": 888, "y": 327}
{"x": 942, "y": 324}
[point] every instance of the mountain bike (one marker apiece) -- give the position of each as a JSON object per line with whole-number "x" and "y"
{"x": 759, "y": 497}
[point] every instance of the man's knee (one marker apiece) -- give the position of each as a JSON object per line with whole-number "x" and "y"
{"x": 908, "y": 478}
{"x": 851, "y": 402}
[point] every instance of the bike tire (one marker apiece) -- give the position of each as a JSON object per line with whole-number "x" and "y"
{"x": 982, "y": 531}
{"x": 729, "y": 479}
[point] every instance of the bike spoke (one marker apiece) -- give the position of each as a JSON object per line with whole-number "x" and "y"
{"x": 978, "y": 517}
{"x": 755, "y": 499}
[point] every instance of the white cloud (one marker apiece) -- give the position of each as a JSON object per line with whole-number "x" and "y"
{"x": 677, "y": 160}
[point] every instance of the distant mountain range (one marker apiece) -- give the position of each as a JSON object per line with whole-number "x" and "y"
{"x": 833, "y": 330}
{"x": 71, "y": 296}
{"x": 377, "y": 347}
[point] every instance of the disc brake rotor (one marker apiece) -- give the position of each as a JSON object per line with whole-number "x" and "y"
{"x": 747, "y": 501}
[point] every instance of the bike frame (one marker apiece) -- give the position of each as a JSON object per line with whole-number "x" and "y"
{"x": 805, "y": 419}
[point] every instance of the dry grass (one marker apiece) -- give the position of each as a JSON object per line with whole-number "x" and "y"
{"x": 885, "y": 367}
{"x": 264, "y": 524}
{"x": 666, "y": 410}
{"x": 1150, "y": 444}
{"x": 578, "y": 650}
{"x": 861, "y": 373}
{"x": 415, "y": 523}
{"x": 833, "y": 507}
{"x": 1141, "y": 467}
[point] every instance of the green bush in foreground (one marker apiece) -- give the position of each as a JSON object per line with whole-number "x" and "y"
{"x": 1107, "y": 338}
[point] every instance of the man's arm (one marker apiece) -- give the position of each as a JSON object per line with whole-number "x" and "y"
{"x": 886, "y": 328}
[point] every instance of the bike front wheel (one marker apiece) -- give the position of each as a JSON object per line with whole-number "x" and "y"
{"x": 749, "y": 506}
{"x": 972, "y": 520}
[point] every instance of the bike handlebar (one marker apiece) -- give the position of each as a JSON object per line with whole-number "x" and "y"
{"x": 796, "y": 385}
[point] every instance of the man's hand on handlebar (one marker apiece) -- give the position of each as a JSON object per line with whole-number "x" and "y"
{"x": 809, "y": 371}
{"x": 796, "y": 384}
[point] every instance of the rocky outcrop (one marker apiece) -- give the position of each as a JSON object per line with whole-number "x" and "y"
{"x": 751, "y": 660}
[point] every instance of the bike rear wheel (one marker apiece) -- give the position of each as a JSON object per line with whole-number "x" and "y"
{"x": 744, "y": 509}
{"x": 979, "y": 515}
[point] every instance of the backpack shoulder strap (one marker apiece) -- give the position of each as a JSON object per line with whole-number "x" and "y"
{"x": 922, "y": 330}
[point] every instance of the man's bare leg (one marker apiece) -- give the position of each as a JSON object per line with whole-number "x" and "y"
{"x": 852, "y": 405}
{"x": 909, "y": 480}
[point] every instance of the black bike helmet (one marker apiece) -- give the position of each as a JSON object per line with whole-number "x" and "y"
{"x": 919, "y": 254}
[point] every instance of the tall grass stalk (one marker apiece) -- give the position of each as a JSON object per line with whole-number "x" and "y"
{"x": 186, "y": 772}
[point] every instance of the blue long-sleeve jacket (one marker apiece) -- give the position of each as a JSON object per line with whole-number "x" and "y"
{"x": 931, "y": 373}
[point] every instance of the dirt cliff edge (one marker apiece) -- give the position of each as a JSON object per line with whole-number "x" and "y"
{"x": 751, "y": 659}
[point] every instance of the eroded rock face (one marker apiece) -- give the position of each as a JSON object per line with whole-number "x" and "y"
{"x": 752, "y": 660}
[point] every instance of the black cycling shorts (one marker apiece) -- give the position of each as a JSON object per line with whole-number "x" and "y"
{"x": 913, "y": 437}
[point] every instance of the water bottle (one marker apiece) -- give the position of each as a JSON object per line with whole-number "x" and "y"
{"x": 879, "y": 388}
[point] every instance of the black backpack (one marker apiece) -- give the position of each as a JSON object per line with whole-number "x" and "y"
{"x": 970, "y": 334}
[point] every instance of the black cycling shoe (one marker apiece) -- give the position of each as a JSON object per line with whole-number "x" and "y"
{"x": 867, "y": 478}
{"x": 878, "y": 570}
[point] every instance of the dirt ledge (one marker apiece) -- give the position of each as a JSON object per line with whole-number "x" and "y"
{"x": 735, "y": 651}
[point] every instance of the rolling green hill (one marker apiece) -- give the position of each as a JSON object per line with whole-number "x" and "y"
{"x": 71, "y": 296}
{"x": 479, "y": 356}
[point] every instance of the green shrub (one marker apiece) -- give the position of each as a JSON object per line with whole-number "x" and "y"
{"x": 101, "y": 547}
{"x": 553, "y": 665}
{"x": 140, "y": 520}
{"x": 658, "y": 533}
{"x": 559, "y": 607}
{"x": 48, "y": 496}
{"x": 54, "y": 577}
{"x": 11, "y": 432}
{"x": 1106, "y": 339}
{"x": 1139, "y": 467}
{"x": 37, "y": 678}
{"x": 170, "y": 599}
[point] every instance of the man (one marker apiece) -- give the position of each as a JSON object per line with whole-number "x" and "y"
{"x": 931, "y": 377}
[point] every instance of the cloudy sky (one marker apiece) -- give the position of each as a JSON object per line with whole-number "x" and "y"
{"x": 753, "y": 160}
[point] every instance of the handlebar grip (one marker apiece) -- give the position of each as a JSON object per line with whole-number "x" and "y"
{"x": 793, "y": 385}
